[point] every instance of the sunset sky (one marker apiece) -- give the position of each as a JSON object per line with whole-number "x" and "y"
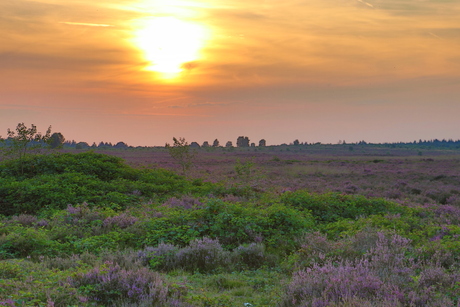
{"x": 145, "y": 71}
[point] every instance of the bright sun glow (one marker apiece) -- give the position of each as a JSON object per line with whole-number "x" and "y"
{"x": 168, "y": 43}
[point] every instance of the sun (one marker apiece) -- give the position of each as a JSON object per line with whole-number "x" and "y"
{"x": 169, "y": 43}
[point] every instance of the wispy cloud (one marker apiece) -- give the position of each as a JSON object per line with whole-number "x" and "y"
{"x": 157, "y": 114}
{"x": 200, "y": 104}
{"x": 366, "y": 3}
{"x": 85, "y": 24}
{"x": 434, "y": 35}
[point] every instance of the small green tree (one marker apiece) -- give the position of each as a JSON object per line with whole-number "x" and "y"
{"x": 23, "y": 141}
{"x": 244, "y": 170}
{"x": 181, "y": 152}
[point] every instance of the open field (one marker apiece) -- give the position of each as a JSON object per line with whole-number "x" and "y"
{"x": 398, "y": 174}
{"x": 281, "y": 226}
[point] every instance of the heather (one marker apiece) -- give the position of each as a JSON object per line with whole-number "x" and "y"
{"x": 284, "y": 226}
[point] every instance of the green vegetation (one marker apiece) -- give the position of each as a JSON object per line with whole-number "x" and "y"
{"x": 23, "y": 141}
{"x": 181, "y": 152}
{"x": 88, "y": 230}
{"x": 40, "y": 183}
{"x": 331, "y": 207}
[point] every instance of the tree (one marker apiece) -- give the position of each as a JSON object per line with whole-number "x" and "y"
{"x": 296, "y": 142}
{"x": 242, "y": 141}
{"x": 262, "y": 143}
{"x": 215, "y": 143}
{"x": 82, "y": 145}
{"x": 205, "y": 144}
{"x": 56, "y": 140}
{"x": 229, "y": 144}
{"x": 180, "y": 151}
{"x": 121, "y": 145}
{"x": 25, "y": 140}
{"x": 244, "y": 170}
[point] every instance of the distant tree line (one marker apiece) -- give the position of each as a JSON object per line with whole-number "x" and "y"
{"x": 435, "y": 143}
{"x": 24, "y": 139}
{"x": 241, "y": 141}
{"x": 101, "y": 145}
{"x": 244, "y": 141}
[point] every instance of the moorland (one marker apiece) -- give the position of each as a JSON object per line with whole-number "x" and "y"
{"x": 290, "y": 225}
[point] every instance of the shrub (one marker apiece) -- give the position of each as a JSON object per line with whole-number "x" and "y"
{"x": 112, "y": 241}
{"x": 385, "y": 275}
{"x": 120, "y": 221}
{"x": 25, "y": 219}
{"x": 110, "y": 285}
{"x": 24, "y": 242}
{"x": 103, "y": 167}
{"x": 162, "y": 257}
{"x": 70, "y": 262}
{"x": 251, "y": 256}
{"x": 388, "y": 259}
{"x": 185, "y": 202}
{"x": 9, "y": 270}
{"x": 276, "y": 225}
{"x": 51, "y": 182}
{"x": 330, "y": 283}
{"x": 202, "y": 255}
{"x": 331, "y": 207}
{"x": 317, "y": 248}
{"x": 127, "y": 259}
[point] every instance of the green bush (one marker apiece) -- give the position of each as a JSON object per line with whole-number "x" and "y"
{"x": 276, "y": 225}
{"x": 103, "y": 167}
{"x": 51, "y": 182}
{"x": 23, "y": 242}
{"x": 9, "y": 270}
{"x": 112, "y": 241}
{"x": 331, "y": 207}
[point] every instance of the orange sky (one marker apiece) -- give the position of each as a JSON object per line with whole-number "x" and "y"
{"x": 318, "y": 70}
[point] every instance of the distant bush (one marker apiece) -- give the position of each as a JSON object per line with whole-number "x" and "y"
{"x": 331, "y": 207}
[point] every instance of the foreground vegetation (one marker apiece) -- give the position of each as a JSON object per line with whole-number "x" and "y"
{"x": 88, "y": 230}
